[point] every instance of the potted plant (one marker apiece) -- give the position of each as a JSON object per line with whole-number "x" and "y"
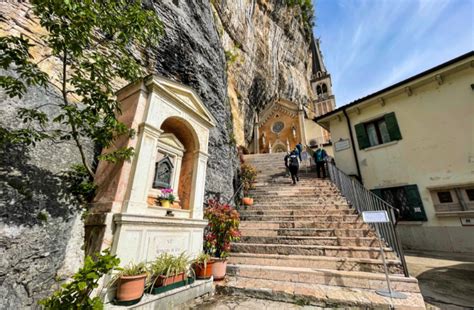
{"x": 202, "y": 266}
{"x": 222, "y": 229}
{"x": 168, "y": 269}
{"x": 248, "y": 176}
{"x": 166, "y": 197}
{"x": 131, "y": 282}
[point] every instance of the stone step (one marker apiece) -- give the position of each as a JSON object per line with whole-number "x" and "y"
{"x": 250, "y": 211}
{"x": 312, "y": 250}
{"x": 311, "y": 199}
{"x": 275, "y": 206}
{"x": 340, "y": 278}
{"x": 323, "y": 262}
{"x": 311, "y": 240}
{"x": 301, "y": 224}
{"x": 298, "y": 196}
{"x": 328, "y": 296}
{"x": 308, "y": 216}
{"x": 315, "y": 232}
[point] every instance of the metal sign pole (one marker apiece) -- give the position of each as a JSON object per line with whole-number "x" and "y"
{"x": 389, "y": 293}
{"x": 377, "y": 218}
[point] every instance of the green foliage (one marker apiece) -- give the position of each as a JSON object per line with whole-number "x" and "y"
{"x": 307, "y": 13}
{"x": 248, "y": 174}
{"x": 222, "y": 229}
{"x": 76, "y": 294}
{"x": 93, "y": 42}
{"x": 80, "y": 184}
{"x": 167, "y": 265}
{"x": 132, "y": 270}
{"x": 202, "y": 258}
{"x": 231, "y": 56}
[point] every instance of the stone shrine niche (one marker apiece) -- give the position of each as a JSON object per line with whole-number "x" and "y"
{"x": 166, "y": 169}
{"x": 171, "y": 146}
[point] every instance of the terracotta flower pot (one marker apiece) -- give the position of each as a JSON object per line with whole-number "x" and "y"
{"x": 165, "y": 203}
{"x": 164, "y": 281}
{"x": 247, "y": 201}
{"x": 203, "y": 272}
{"x": 219, "y": 268}
{"x": 130, "y": 287}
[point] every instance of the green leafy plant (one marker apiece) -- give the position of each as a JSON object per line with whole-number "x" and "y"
{"x": 222, "y": 229}
{"x": 248, "y": 175}
{"x": 169, "y": 265}
{"x": 94, "y": 44}
{"x": 132, "y": 269}
{"x": 202, "y": 259}
{"x": 76, "y": 294}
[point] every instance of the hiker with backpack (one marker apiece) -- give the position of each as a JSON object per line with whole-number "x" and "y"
{"x": 292, "y": 163}
{"x": 320, "y": 159}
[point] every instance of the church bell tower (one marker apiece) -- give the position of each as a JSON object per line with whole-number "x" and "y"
{"x": 324, "y": 100}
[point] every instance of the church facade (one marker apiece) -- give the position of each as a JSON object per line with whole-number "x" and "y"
{"x": 284, "y": 123}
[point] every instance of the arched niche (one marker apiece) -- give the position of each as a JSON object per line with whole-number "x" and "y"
{"x": 185, "y": 162}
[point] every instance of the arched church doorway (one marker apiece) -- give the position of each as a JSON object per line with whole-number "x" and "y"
{"x": 279, "y": 148}
{"x": 176, "y": 159}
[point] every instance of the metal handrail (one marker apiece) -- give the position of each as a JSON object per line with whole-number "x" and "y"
{"x": 364, "y": 200}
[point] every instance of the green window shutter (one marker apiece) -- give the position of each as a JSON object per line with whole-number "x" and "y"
{"x": 392, "y": 126}
{"x": 362, "y": 138}
{"x": 417, "y": 212}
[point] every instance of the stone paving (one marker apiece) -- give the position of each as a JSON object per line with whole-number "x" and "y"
{"x": 220, "y": 302}
{"x": 446, "y": 280}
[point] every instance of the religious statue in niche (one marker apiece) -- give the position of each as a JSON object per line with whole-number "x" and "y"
{"x": 163, "y": 173}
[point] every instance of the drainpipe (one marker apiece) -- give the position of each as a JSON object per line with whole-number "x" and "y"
{"x": 353, "y": 145}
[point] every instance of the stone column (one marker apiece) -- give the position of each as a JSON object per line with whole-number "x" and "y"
{"x": 256, "y": 136}
{"x": 302, "y": 125}
{"x": 144, "y": 160}
{"x": 176, "y": 173}
{"x": 199, "y": 180}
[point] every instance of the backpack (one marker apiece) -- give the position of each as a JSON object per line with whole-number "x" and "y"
{"x": 294, "y": 160}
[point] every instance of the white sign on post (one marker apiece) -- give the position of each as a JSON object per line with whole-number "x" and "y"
{"x": 375, "y": 216}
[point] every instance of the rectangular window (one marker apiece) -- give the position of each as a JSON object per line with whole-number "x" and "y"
{"x": 379, "y": 131}
{"x": 455, "y": 199}
{"x": 445, "y": 197}
{"x": 406, "y": 199}
{"x": 470, "y": 194}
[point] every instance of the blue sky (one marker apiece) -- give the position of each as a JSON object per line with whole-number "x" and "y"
{"x": 370, "y": 44}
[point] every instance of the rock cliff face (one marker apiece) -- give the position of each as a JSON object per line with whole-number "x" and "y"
{"x": 268, "y": 57}
{"x": 238, "y": 55}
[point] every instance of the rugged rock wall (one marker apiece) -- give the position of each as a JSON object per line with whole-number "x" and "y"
{"x": 238, "y": 55}
{"x": 268, "y": 57}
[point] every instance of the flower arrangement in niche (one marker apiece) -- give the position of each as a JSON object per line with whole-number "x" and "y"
{"x": 166, "y": 197}
{"x": 222, "y": 229}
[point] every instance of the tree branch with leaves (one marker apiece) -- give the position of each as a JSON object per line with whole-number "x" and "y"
{"x": 94, "y": 42}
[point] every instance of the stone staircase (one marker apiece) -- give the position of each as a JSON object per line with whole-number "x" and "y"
{"x": 304, "y": 244}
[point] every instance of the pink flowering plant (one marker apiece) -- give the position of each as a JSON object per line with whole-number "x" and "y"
{"x": 166, "y": 194}
{"x": 222, "y": 229}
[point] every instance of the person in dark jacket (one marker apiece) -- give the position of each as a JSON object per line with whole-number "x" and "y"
{"x": 299, "y": 148}
{"x": 320, "y": 159}
{"x": 292, "y": 163}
